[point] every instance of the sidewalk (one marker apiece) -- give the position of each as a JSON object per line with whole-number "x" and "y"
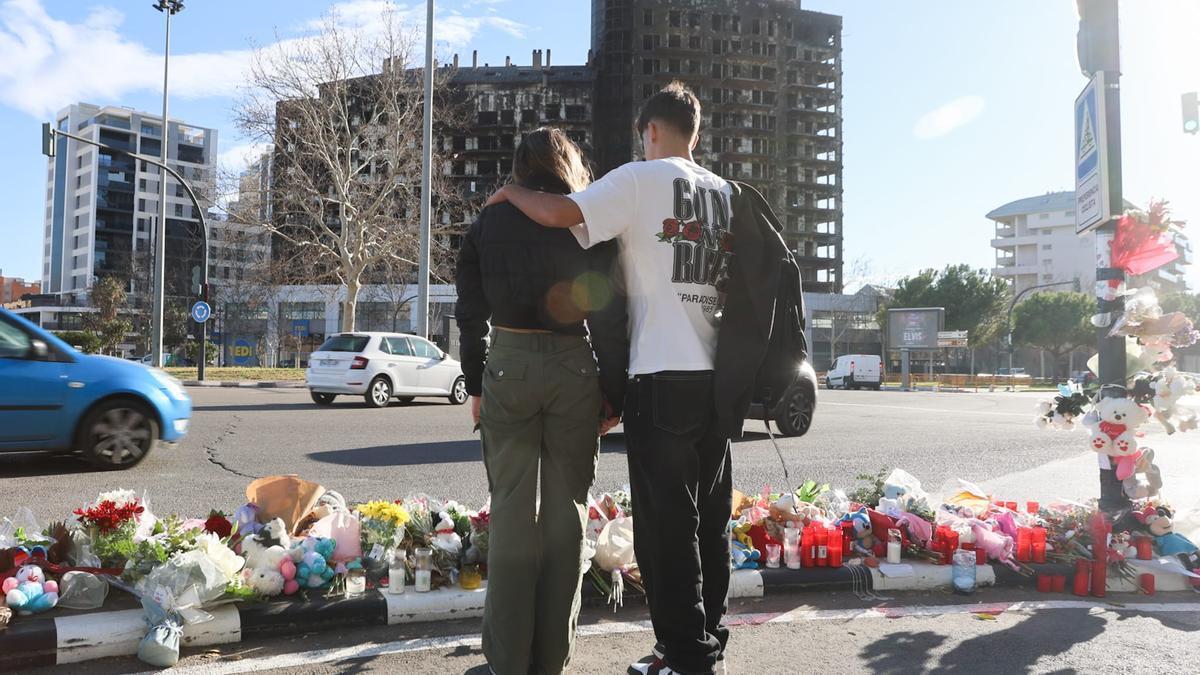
{"x": 265, "y": 384}
{"x": 75, "y": 637}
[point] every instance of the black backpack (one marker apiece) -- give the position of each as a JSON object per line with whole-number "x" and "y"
{"x": 787, "y": 346}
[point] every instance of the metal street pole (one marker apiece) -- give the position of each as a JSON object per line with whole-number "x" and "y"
{"x": 426, "y": 181}
{"x": 168, "y": 8}
{"x": 1011, "y": 306}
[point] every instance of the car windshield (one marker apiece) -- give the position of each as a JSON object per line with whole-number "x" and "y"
{"x": 345, "y": 343}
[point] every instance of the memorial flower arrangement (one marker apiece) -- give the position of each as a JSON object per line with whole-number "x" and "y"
{"x": 383, "y": 523}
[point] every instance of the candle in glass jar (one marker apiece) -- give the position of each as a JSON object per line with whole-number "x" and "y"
{"x": 396, "y": 572}
{"x": 1145, "y": 547}
{"x": 893, "y": 546}
{"x": 773, "y": 554}
{"x": 1037, "y": 545}
{"x": 1083, "y": 577}
{"x": 791, "y": 547}
{"x": 356, "y": 583}
{"x": 424, "y": 572}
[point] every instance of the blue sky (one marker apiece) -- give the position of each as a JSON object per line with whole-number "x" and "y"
{"x": 951, "y": 108}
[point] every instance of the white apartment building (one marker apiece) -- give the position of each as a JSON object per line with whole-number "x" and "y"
{"x": 1035, "y": 243}
{"x": 102, "y": 206}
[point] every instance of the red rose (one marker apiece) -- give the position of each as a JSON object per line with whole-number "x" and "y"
{"x": 671, "y": 227}
{"x": 692, "y": 231}
{"x": 727, "y": 241}
{"x": 219, "y": 525}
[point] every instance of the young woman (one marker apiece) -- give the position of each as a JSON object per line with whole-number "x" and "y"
{"x": 550, "y": 384}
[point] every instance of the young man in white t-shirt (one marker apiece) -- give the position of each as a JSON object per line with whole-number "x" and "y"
{"x": 671, "y": 219}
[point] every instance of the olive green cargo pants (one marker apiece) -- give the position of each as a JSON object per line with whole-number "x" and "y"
{"x": 540, "y": 413}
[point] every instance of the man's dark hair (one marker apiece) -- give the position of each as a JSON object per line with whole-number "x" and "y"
{"x": 676, "y": 106}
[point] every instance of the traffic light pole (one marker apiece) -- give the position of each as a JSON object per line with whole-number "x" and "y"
{"x": 48, "y": 138}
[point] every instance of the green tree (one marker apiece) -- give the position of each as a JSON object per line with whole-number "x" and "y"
{"x": 106, "y": 323}
{"x": 86, "y": 342}
{"x": 1188, "y": 303}
{"x": 1055, "y": 322}
{"x": 973, "y": 299}
{"x": 191, "y": 349}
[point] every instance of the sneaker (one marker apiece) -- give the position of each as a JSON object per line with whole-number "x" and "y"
{"x": 655, "y": 667}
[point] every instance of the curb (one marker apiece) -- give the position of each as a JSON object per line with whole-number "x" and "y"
{"x": 1164, "y": 581}
{"x": 49, "y": 641}
{"x": 246, "y": 384}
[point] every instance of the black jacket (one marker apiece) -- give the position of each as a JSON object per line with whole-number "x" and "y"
{"x": 749, "y": 308}
{"x": 515, "y": 273}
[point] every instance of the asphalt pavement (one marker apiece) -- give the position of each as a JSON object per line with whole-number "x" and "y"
{"x": 428, "y": 446}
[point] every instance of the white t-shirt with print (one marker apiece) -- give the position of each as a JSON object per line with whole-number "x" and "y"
{"x": 671, "y": 219}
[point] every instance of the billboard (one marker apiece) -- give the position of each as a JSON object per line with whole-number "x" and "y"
{"x": 914, "y": 327}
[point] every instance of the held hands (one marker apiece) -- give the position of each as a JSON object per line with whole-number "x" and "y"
{"x": 608, "y": 420}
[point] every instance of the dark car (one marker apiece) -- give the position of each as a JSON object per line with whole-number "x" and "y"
{"x": 792, "y": 411}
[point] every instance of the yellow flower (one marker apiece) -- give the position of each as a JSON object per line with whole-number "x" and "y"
{"x": 384, "y": 511}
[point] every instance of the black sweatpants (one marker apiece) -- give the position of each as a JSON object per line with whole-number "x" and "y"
{"x": 679, "y": 472}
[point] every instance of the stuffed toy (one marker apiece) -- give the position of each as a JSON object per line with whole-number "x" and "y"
{"x": 444, "y": 536}
{"x": 272, "y": 534}
{"x": 29, "y": 592}
{"x": 311, "y": 557}
{"x": 760, "y": 538}
{"x": 1146, "y": 481}
{"x": 1169, "y": 388}
{"x": 1112, "y": 425}
{"x": 743, "y": 557}
{"x": 1064, "y": 411}
{"x": 864, "y": 536}
{"x": 784, "y": 510}
{"x": 998, "y": 546}
{"x": 1167, "y": 541}
{"x": 275, "y": 573}
{"x": 245, "y": 518}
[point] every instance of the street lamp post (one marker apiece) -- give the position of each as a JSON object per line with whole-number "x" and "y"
{"x": 169, "y": 8}
{"x": 426, "y": 181}
{"x": 1013, "y": 304}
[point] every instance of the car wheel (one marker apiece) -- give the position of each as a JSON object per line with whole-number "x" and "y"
{"x": 828, "y": 383}
{"x": 322, "y": 399}
{"x": 379, "y": 393}
{"x": 458, "y": 393}
{"x": 405, "y": 400}
{"x": 793, "y": 415}
{"x": 118, "y": 434}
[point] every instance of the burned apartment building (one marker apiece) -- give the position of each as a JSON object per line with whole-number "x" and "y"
{"x": 768, "y": 75}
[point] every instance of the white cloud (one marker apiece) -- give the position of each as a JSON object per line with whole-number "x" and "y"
{"x": 49, "y": 63}
{"x": 237, "y": 158}
{"x": 945, "y": 119}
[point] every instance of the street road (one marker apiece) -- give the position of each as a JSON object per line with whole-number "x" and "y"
{"x": 428, "y": 446}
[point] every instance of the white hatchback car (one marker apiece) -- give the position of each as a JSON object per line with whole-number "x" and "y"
{"x": 380, "y": 366}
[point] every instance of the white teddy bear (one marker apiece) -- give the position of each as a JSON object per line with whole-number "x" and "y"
{"x": 1113, "y": 424}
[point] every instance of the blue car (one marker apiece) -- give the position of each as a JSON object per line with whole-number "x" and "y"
{"x": 52, "y": 397}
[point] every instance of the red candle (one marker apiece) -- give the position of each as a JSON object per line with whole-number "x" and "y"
{"x": 847, "y": 538}
{"x": 821, "y": 537}
{"x": 1044, "y": 583}
{"x": 980, "y": 556}
{"x": 807, "y": 547}
{"x": 1032, "y": 507}
{"x": 835, "y": 546}
{"x": 1147, "y": 582}
{"x": 1011, "y": 506}
{"x": 1145, "y": 547}
{"x": 951, "y": 542}
{"x": 1083, "y": 573}
{"x": 1038, "y": 545}
{"x": 1059, "y": 583}
{"x": 1024, "y": 543}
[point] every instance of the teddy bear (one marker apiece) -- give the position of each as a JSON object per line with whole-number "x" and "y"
{"x": 444, "y": 536}
{"x": 1112, "y": 425}
{"x": 274, "y": 574}
{"x": 311, "y": 557}
{"x": 995, "y": 543}
{"x": 1146, "y": 481}
{"x": 29, "y": 592}
{"x": 1167, "y": 541}
{"x": 272, "y": 534}
{"x": 743, "y": 557}
{"x": 864, "y": 535}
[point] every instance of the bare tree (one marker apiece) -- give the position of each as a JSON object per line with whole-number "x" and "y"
{"x": 345, "y": 116}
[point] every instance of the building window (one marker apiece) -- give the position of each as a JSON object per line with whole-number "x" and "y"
{"x": 1043, "y": 216}
{"x": 649, "y": 66}
{"x": 648, "y": 42}
{"x": 674, "y": 41}
{"x": 647, "y": 90}
{"x": 716, "y": 22}
{"x": 694, "y": 42}
{"x": 693, "y": 19}
{"x": 647, "y": 17}
{"x": 675, "y": 18}
{"x": 673, "y": 66}
{"x": 1047, "y": 247}
{"x": 755, "y": 27}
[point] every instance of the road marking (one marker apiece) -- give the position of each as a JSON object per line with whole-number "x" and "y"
{"x": 1029, "y": 415}
{"x": 315, "y": 656}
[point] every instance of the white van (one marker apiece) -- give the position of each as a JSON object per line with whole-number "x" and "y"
{"x": 855, "y": 371}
